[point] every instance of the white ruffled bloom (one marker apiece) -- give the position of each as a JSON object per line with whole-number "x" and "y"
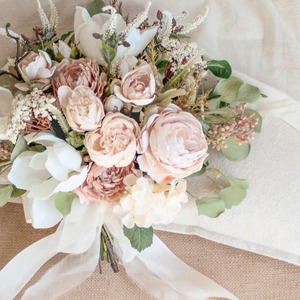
{"x": 42, "y": 174}
{"x": 147, "y": 203}
{"x": 85, "y": 26}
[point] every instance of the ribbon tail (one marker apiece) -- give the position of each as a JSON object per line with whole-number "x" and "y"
{"x": 67, "y": 274}
{"x": 15, "y": 275}
{"x": 165, "y": 276}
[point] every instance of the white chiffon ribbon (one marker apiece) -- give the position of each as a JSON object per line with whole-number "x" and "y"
{"x": 156, "y": 269}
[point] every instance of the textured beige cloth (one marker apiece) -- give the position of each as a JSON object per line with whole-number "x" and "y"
{"x": 248, "y": 276}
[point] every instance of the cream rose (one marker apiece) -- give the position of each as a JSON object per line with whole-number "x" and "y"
{"x": 137, "y": 87}
{"x": 115, "y": 143}
{"x": 172, "y": 145}
{"x": 82, "y": 108}
{"x": 36, "y": 66}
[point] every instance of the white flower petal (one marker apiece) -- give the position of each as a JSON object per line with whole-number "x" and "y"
{"x": 38, "y": 161}
{"x": 54, "y": 166}
{"x": 44, "y": 213}
{"x": 45, "y": 139}
{"x": 44, "y": 190}
{"x": 24, "y": 177}
{"x": 73, "y": 182}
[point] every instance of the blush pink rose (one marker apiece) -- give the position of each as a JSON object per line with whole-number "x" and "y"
{"x": 82, "y": 108}
{"x": 105, "y": 183}
{"x": 36, "y": 66}
{"x": 172, "y": 145}
{"x": 115, "y": 143}
{"x": 137, "y": 87}
{"x": 75, "y": 72}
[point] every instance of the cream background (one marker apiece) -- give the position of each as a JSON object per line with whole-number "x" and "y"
{"x": 270, "y": 29}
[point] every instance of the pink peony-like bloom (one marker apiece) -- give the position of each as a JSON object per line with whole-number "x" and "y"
{"x": 83, "y": 71}
{"x": 82, "y": 108}
{"x": 172, "y": 145}
{"x": 105, "y": 183}
{"x": 115, "y": 143}
{"x": 137, "y": 87}
{"x": 36, "y": 66}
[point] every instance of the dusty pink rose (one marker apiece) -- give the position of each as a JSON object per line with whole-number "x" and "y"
{"x": 137, "y": 87}
{"x": 105, "y": 183}
{"x": 172, "y": 145}
{"x": 36, "y": 66}
{"x": 83, "y": 71}
{"x": 82, "y": 108}
{"x": 115, "y": 143}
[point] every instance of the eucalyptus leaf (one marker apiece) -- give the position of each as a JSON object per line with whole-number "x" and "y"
{"x": 228, "y": 89}
{"x": 233, "y": 196}
{"x": 95, "y": 7}
{"x": 17, "y": 192}
{"x": 257, "y": 116}
{"x": 63, "y": 202}
{"x": 248, "y": 93}
{"x": 234, "y": 151}
{"x": 5, "y": 194}
{"x": 140, "y": 238}
{"x": 108, "y": 52}
{"x": 210, "y": 206}
{"x": 21, "y": 146}
{"x": 220, "y": 68}
{"x": 237, "y": 182}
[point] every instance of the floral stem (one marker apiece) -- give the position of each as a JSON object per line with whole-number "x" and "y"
{"x": 110, "y": 251}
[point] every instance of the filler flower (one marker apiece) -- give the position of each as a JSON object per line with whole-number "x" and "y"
{"x": 84, "y": 111}
{"x": 105, "y": 183}
{"x": 137, "y": 87}
{"x": 147, "y": 202}
{"x": 43, "y": 174}
{"x": 172, "y": 145}
{"x": 115, "y": 143}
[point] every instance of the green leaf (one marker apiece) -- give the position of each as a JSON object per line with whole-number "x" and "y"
{"x": 179, "y": 36}
{"x": 210, "y": 206}
{"x": 220, "y": 68}
{"x": 109, "y": 52}
{"x": 228, "y": 89}
{"x": 17, "y": 192}
{"x": 162, "y": 65}
{"x": 233, "y": 196}
{"x": 140, "y": 238}
{"x": 235, "y": 152}
{"x": 237, "y": 182}
{"x": 95, "y": 7}
{"x": 8, "y": 82}
{"x": 257, "y": 116}
{"x": 248, "y": 93}
{"x": 21, "y": 146}
{"x": 63, "y": 202}
{"x": 5, "y": 194}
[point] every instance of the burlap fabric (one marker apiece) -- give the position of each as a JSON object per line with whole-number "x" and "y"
{"x": 249, "y": 276}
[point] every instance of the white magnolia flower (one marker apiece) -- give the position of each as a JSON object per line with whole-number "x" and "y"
{"x": 42, "y": 174}
{"x": 85, "y": 26}
{"x": 62, "y": 48}
{"x": 147, "y": 203}
{"x": 6, "y": 100}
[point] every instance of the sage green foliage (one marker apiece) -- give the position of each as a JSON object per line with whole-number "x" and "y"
{"x": 21, "y": 146}
{"x": 95, "y": 7}
{"x": 63, "y": 202}
{"x": 249, "y": 111}
{"x": 233, "y": 90}
{"x": 109, "y": 49}
{"x": 5, "y": 194}
{"x": 140, "y": 238}
{"x": 235, "y": 151}
{"x": 75, "y": 139}
{"x": 234, "y": 194}
{"x": 9, "y": 82}
{"x": 220, "y": 68}
{"x": 8, "y": 191}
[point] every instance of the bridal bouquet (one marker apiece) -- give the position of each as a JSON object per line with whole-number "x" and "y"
{"x": 101, "y": 127}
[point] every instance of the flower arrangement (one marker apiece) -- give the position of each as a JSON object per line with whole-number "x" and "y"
{"x": 114, "y": 117}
